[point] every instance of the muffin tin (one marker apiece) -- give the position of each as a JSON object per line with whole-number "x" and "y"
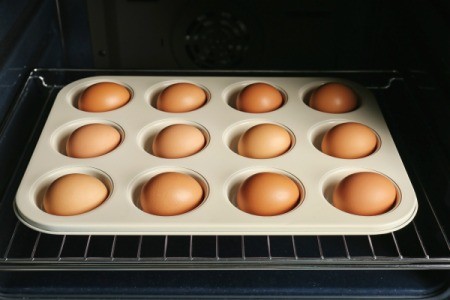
{"x": 218, "y": 167}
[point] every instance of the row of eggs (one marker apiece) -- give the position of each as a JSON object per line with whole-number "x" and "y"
{"x": 347, "y": 140}
{"x": 262, "y": 194}
{"x": 185, "y": 97}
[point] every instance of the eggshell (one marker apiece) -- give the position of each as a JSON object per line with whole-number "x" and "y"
{"x": 181, "y": 97}
{"x": 170, "y": 194}
{"x": 179, "y": 140}
{"x": 349, "y": 140}
{"x": 365, "y": 194}
{"x": 267, "y": 194}
{"x": 264, "y": 141}
{"x": 92, "y": 140}
{"x": 259, "y": 98}
{"x": 74, "y": 194}
{"x": 334, "y": 98}
{"x": 103, "y": 96}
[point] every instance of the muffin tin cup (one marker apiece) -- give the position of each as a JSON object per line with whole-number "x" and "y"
{"x": 61, "y": 135}
{"x": 134, "y": 190}
{"x": 234, "y": 182}
{"x": 152, "y": 93}
{"x": 318, "y": 131}
{"x": 235, "y": 131}
{"x": 147, "y": 135}
{"x": 216, "y": 165}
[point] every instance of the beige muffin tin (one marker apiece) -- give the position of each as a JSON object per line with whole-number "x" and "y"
{"x": 218, "y": 167}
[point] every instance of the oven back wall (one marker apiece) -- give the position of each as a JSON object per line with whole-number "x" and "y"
{"x": 223, "y": 34}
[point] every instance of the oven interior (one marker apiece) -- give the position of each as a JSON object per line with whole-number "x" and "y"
{"x": 399, "y": 50}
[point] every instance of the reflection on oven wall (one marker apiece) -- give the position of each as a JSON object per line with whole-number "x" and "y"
{"x": 236, "y": 34}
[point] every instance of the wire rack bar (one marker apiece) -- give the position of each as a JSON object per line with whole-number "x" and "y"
{"x": 86, "y": 249}
{"x": 36, "y": 243}
{"x": 371, "y": 247}
{"x": 63, "y": 241}
{"x": 139, "y": 249}
{"x": 441, "y": 228}
{"x": 396, "y": 246}
{"x": 419, "y": 237}
{"x": 113, "y": 247}
{"x": 8, "y": 248}
{"x": 347, "y": 252}
{"x": 166, "y": 244}
{"x": 269, "y": 251}
{"x": 190, "y": 247}
{"x": 319, "y": 244}
{"x": 294, "y": 247}
{"x": 217, "y": 247}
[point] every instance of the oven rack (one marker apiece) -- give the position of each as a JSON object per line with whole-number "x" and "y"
{"x": 422, "y": 244}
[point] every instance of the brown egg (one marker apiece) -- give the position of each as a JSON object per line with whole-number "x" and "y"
{"x": 181, "y": 97}
{"x": 92, "y": 140}
{"x": 365, "y": 194}
{"x": 349, "y": 140}
{"x": 259, "y": 98}
{"x": 334, "y": 98}
{"x": 74, "y": 194}
{"x": 267, "y": 194}
{"x": 170, "y": 194}
{"x": 103, "y": 96}
{"x": 177, "y": 141}
{"x": 264, "y": 141}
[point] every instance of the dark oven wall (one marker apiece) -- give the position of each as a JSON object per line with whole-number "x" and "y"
{"x": 240, "y": 35}
{"x": 245, "y": 35}
{"x": 267, "y": 35}
{"x": 29, "y": 37}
